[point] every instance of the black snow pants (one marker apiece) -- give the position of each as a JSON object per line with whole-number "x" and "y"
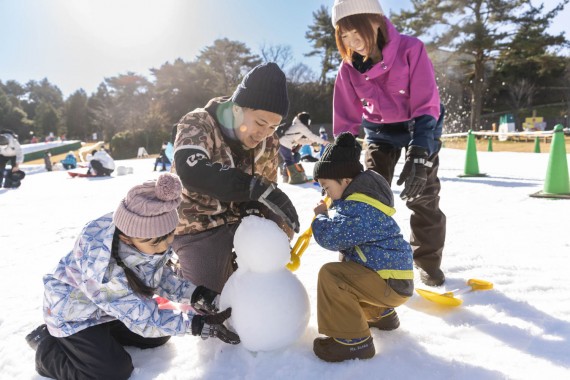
{"x": 427, "y": 222}
{"x": 94, "y": 353}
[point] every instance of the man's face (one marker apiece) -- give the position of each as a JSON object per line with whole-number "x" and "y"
{"x": 254, "y": 126}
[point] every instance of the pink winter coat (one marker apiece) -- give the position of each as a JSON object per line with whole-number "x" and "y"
{"x": 397, "y": 89}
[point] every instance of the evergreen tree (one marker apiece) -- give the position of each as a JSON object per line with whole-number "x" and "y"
{"x": 76, "y": 116}
{"x": 322, "y": 36}
{"x": 476, "y": 30}
{"x": 230, "y": 61}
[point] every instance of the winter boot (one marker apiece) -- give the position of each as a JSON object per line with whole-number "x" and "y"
{"x": 387, "y": 321}
{"x": 37, "y": 336}
{"x": 296, "y": 174}
{"x": 338, "y": 350}
{"x": 14, "y": 179}
{"x": 434, "y": 279}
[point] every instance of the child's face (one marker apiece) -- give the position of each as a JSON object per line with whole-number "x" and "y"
{"x": 254, "y": 126}
{"x": 333, "y": 188}
{"x": 148, "y": 246}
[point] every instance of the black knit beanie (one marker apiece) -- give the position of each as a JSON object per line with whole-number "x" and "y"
{"x": 304, "y": 118}
{"x": 263, "y": 88}
{"x": 340, "y": 159}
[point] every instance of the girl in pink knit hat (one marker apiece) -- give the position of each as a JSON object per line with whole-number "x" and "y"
{"x": 100, "y": 296}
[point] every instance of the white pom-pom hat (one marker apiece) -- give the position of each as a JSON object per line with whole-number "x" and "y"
{"x": 343, "y": 8}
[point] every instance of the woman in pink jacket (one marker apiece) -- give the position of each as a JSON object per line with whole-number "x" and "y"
{"x": 386, "y": 84}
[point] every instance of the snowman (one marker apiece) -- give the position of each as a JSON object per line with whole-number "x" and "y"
{"x": 270, "y": 306}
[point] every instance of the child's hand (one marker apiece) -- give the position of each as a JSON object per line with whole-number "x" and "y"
{"x": 321, "y": 208}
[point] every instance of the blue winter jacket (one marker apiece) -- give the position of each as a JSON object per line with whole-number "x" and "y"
{"x": 364, "y": 231}
{"x": 70, "y": 160}
{"x": 88, "y": 288}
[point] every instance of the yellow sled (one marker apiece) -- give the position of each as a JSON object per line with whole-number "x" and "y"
{"x": 449, "y": 298}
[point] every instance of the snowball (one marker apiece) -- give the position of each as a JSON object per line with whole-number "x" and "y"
{"x": 269, "y": 311}
{"x": 261, "y": 245}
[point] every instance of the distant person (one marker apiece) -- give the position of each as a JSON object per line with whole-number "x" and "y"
{"x": 69, "y": 162}
{"x": 386, "y": 85}
{"x": 47, "y": 161}
{"x": 226, "y": 156}
{"x": 10, "y": 153}
{"x": 89, "y": 156}
{"x": 162, "y": 159}
{"x": 307, "y": 153}
{"x": 376, "y": 274}
{"x": 99, "y": 298}
{"x": 102, "y": 164}
{"x": 297, "y": 134}
{"x": 325, "y": 136}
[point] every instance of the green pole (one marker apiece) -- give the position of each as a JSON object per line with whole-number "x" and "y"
{"x": 490, "y": 145}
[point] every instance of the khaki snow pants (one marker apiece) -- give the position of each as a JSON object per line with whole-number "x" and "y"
{"x": 348, "y": 295}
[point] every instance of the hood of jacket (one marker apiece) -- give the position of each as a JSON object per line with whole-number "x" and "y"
{"x": 371, "y": 184}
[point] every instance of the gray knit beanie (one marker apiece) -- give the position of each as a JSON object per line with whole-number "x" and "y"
{"x": 150, "y": 210}
{"x": 263, "y": 88}
{"x": 344, "y": 8}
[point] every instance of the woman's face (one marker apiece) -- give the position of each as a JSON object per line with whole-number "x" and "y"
{"x": 353, "y": 41}
{"x": 254, "y": 126}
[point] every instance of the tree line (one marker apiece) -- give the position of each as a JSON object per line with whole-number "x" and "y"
{"x": 490, "y": 57}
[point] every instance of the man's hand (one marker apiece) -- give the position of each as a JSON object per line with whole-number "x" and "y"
{"x": 276, "y": 200}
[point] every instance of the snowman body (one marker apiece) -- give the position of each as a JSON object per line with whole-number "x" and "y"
{"x": 270, "y": 306}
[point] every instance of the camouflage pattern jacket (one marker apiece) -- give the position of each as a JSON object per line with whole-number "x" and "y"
{"x": 215, "y": 169}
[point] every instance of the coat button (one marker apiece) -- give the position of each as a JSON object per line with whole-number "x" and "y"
{"x": 402, "y": 92}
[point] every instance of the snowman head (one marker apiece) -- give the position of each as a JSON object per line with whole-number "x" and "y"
{"x": 260, "y": 245}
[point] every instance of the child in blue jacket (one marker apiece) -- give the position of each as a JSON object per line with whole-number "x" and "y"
{"x": 376, "y": 274}
{"x": 100, "y": 296}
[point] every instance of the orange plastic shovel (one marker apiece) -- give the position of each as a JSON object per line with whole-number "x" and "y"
{"x": 301, "y": 244}
{"x": 449, "y": 299}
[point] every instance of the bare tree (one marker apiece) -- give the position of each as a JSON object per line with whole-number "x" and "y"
{"x": 280, "y": 54}
{"x": 301, "y": 73}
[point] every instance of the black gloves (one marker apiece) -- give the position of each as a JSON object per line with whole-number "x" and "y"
{"x": 207, "y": 326}
{"x": 276, "y": 200}
{"x": 414, "y": 173}
{"x": 251, "y": 208}
{"x": 205, "y": 300}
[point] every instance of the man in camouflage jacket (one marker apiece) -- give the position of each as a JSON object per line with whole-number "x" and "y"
{"x": 226, "y": 156}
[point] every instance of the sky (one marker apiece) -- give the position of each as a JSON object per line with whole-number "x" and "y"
{"x": 495, "y": 232}
{"x": 77, "y": 43}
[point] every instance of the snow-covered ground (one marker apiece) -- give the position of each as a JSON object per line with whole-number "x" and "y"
{"x": 495, "y": 232}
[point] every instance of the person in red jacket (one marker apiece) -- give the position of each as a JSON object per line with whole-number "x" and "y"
{"x": 386, "y": 84}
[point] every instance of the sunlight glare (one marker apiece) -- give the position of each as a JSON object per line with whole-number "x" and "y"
{"x": 123, "y": 23}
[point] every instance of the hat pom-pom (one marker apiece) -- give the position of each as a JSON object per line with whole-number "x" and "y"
{"x": 168, "y": 187}
{"x": 346, "y": 139}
